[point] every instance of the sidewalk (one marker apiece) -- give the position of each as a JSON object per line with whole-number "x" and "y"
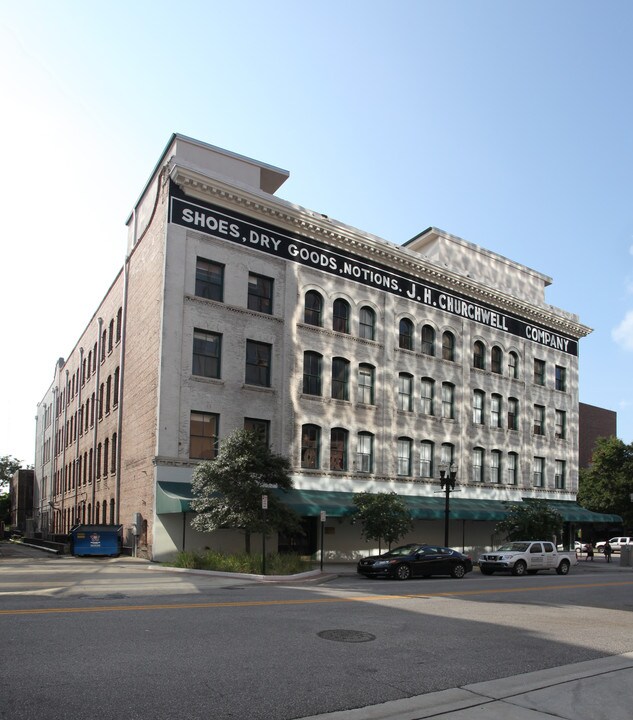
{"x": 594, "y": 690}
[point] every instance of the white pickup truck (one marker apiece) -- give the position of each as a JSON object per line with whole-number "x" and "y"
{"x": 527, "y": 557}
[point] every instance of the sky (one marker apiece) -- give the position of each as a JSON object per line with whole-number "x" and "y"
{"x": 509, "y": 124}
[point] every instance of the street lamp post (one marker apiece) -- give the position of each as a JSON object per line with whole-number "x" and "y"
{"x": 448, "y": 480}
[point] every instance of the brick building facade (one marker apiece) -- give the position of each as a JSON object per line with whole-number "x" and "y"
{"x": 370, "y": 365}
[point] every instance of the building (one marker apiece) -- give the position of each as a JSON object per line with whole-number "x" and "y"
{"x": 370, "y": 365}
{"x": 21, "y": 499}
{"x": 594, "y": 422}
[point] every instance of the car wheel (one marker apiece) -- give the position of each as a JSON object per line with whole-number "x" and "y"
{"x": 403, "y": 572}
{"x": 486, "y": 571}
{"x": 563, "y": 568}
{"x": 520, "y": 568}
{"x": 458, "y": 571}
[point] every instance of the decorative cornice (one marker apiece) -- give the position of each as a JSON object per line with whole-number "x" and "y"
{"x": 320, "y": 227}
{"x": 194, "y": 299}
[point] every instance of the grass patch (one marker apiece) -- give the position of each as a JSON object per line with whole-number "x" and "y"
{"x": 276, "y": 564}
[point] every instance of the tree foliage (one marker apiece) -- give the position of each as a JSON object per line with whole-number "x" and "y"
{"x": 8, "y": 466}
{"x": 606, "y": 485}
{"x": 385, "y": 516}
{"x": 228, "y": 490}
{"x": 531, "y": 520}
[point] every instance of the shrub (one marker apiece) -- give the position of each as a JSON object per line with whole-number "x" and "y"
{"x": 276, "y": 564}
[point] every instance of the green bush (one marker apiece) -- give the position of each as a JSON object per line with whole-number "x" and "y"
{"x": 276, "y": 564}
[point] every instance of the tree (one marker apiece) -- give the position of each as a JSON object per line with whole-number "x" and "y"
{"x": 606, "y": 485}
{"x": 384, "y": 516}
{"x": 8, "y": 466}
{"x": 228, "y": 490}
{"x": 531, "y": 520}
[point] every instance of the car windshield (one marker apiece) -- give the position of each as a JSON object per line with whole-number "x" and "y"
{"x": 514, "y": 547}
{"x": 403, "y": 550}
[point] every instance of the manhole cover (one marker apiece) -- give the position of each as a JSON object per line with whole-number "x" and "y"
{"x": 350, "y": 636}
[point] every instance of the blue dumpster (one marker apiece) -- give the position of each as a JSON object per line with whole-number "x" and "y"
{"x": 96, "y": 539}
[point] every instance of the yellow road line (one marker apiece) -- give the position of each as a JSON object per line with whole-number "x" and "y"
{"x": 308, "y": 601}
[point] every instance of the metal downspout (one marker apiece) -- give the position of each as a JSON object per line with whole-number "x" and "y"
{"x": 51, "y": 501}
{"x": 64, "y": 443}
{"x": 96, "y": 425}
{"x": 80, "y": 417}
{"x": 119, "y": 427}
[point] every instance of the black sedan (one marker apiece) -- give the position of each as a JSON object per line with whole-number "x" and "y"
{"x": 416, "y": 560}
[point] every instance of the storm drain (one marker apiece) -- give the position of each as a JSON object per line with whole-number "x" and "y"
{"x": 350, "y": 636}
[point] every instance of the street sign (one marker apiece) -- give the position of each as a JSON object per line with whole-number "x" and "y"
{"x": 264, "y": 502}
{"x": 323, "y": 515}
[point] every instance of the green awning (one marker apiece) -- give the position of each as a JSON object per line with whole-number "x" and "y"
{"x": 173, "y": 497}
{"x": 572, "y": 512}
{"x": 176, "y": 497}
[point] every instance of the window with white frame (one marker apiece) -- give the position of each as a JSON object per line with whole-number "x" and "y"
{"x": 426, "y": 459}
{"x": 404, "y": 456}
{"x": 405, "y": 392}
{"x": 448, "y": 400}
{"x": 478, "y": 465}
{"x": 426, "y": 396}
{"x": 512, "y": 469}
{"x": 478, "y": 407}
{"x": 538, "y": 472}
{"x": 495, "y": 411}
{"x": 365, "y": 452}
{"x": 366, "y": 384}
{"x": 447, "y": 454}
{"x": 495, "y": 466}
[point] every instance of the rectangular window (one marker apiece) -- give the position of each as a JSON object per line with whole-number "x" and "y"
{"x": 203, "y": 435}
{"x": 340, "y": 378}
{"x": 513, "y": 414}
{"x": 206, "y": 354}
{"x": 366, "y": 384}
{"x": 539, "y": 420}
{"x": 559, "y": 477}
{"x": 426, "y": 459}
{"x": 338, "y": 449}
{"x": 365, "y": 452}
{"x": 405, "y": 390}
{"x": 258, "y": 362}
{"x": 495, "y": 466}
{"x": 478, "y": 465}
{"x": 560, "y": 429}
{"x": 404, "y": 457}
{"x": 260, "y": 293}
{"x": 426, "y": 396}
{"x": 261, "y": 427}
{"x": 209, "y": 280}
{"x": 539, "y": 472}
{"x": 512, "y": 469}
{"x": 495, "y": 411}
{"x": 448, "y": 401}
{"x": 561, "y": 378}
{"x": 539, "y": 372}
{"x": 310, "y": 446}
{"x": 478, "y": 407}
{"x": 311, "y": 373}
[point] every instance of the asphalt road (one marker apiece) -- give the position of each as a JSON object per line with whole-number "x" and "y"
{"x": 94, "y": 638}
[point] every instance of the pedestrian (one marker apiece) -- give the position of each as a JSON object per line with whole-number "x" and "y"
{"x": 589, "y": 552}
{"x": 607, "y": 550}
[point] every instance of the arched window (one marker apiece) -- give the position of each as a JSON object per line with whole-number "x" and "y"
{"x": 312, "y": 373}
{"x": 428, "y": 340}
{"x": 448, "y": 454}
{"x": 119, "y": 315}
{"x": 496, "y": 360}
{"x": 98, "y": 461}
{"x": 405, "y": 334}
{"x": 310, "y": 446}
{"x": 513, "y": 414}
{"x": 340, "y": 316}
{"x": 313, "y": 310}
{"x": 112, "y": 511}
{"x": 339, "y": 438}
{"x": 111, "y": 336}
{"x": 448, "y": 346}
{"x": 367, "y": 323}
{"x": 479, "y": 355}
{"x": 104, "y": 513}
{"x": 106, "y": 456}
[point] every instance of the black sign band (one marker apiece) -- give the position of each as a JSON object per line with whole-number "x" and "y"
{"x": 241, "y": 230}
